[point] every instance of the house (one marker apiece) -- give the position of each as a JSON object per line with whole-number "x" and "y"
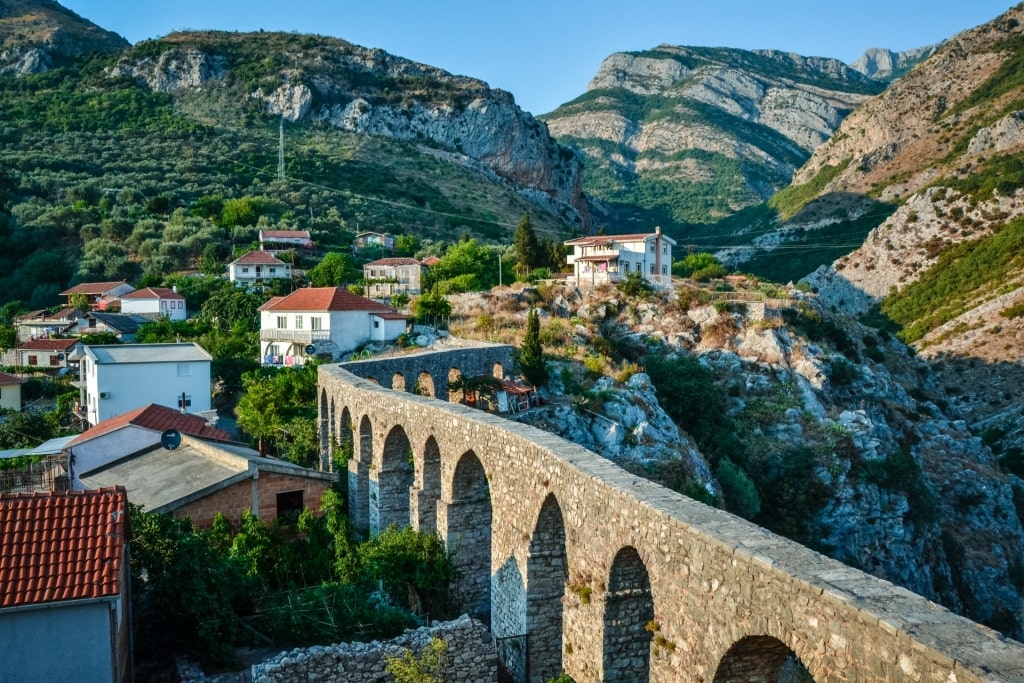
{"x": 121, "y": 325}
{"x": 47, "y": 353}
{"x": 101, "y": 295}
{"x": 256, "y": 267}
{"x": 65, "y": 608}
{"x": 389, "y": 276}
{"x": 10, "y": 391}
{"x": 39, "y": 324}
{"x": 431, "y": 261}
{"x": 118, "y": 378}
{"x": 366, "y": 240}
{"x": 40, "y": 468}
{"x": 322, "y": 321}
{"x": 611, "y": 258}
{"x": 132, "y": 432}
{"x": 280, "y": 240}
{"x": 154, "y": 302}
{"x": 197, "y": 479}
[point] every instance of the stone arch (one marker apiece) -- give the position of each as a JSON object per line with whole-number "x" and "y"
{"x": 458, "y": 396}
{"x": 498, "y": 371}
{"x": 464, "y": 522}
{"x": 359, "y": 477}
{"x": 427, "y": 488}
{"x": 343, "y": 441}
{"x": 374, "y": 380}
{"x": 546, "y": 574}
{"x": 425, "y": 385}
{"x": 327, "y": 427}
{"x": 760, "y": 659}
{"x": 628, "y": 608}
{"x": 398, "y": 382}
{"x": 390, "y": 483}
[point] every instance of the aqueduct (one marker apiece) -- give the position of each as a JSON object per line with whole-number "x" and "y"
{"x": 611, "y": 577}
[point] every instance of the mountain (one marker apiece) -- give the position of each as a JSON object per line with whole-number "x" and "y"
{"x": 36, "y": 34}
{"x": 137, "y": 162}
{"x": 686, "y": 135}
{"x": 880, "y": 64}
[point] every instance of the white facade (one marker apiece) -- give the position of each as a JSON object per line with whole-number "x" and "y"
{"x": 114, "y": 445}
{"x": 256, "y": 267}
{"x": 153, "y": 302}
{"x": 118, "y": 379}
{"x": 611, "y": 258}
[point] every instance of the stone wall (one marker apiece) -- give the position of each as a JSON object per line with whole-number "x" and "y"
{"x": 594, "y": 565}
{"x": 257, "y": 494}
{"x": 471, "y": 657}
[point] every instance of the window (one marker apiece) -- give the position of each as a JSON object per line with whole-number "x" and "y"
{"x": 652, "y": 247}
{"x": 184, "y": 369}
{"x": 54, "y": 360}
{"x": 184, "y": 401}
{"x": 376, "y": 323}
{"x": 664, "y": 270}
{"x": 664, "y": 249}
{"x": 33, "y": 360}
{"x": 289, "y": 505}
{"x": 273, "y": 270}
{"x": 314, "y": 323}
{"x": 298, "y": 322}
{"x": 282, "y": 322}
{"x": 245, "y": 269}
{"x": 652, "y": 269}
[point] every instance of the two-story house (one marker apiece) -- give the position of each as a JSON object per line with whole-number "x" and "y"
{"x": 282, "y": 240}
{"x": 324, "y": 321}
{"x": 389, "y": 276}
{"x": 154, "y": 302}
{"x": 64, "y": 586}
{"x": 611, "y": 258}
{"x": 101, "y": 295}
{"x": 47, "y": 353}
{"x": 256, "y": 267}
{"x": 116, "y": 379}
{"x": 367, "y": 240}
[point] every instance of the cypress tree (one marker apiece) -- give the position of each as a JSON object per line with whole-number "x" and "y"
{"x": 531, "y": 355}
{"x": 528, "y": 253}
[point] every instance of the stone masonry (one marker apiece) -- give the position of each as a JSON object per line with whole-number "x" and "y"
{"x": 611, "y": 577}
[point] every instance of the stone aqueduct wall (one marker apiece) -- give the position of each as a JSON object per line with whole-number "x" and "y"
{"x": 615, "y": 578}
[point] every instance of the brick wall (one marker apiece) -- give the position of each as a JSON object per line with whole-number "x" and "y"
{"x": 237, "y": 498}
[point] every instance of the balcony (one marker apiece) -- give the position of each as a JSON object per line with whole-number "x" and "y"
{"x": 294, "y": 336}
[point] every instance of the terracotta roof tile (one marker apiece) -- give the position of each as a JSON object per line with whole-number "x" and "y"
{"x": 156, "y": 418}
{"x": 61, "y": 546}
{"x": 6, "y": 379}
{"x": 259, "y": 258}
{"x": 286, "y": 234}
{"x": 153, "y": 293}
{"x": 49, "y": 344}
{"x": 325, "y": 299}
{"x": 396, "y": 261}
{"x": 92, "y": 288}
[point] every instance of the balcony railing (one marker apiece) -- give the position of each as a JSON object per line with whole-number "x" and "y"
{"x": 302, "y": 336}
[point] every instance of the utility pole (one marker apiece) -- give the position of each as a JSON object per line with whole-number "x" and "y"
{"x": 499, "y": 265}
{"x": 280, "y": 152}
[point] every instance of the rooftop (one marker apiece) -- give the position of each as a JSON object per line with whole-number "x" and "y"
{"x": 597, "y": 240}
{"x": 156, "y": 418}
{"x": 147, "y": 353}
{"x": 259, "y": 258}
{"x": 284, "y": 234}
{"x": 7, "y": 378}
{"x": 153, "y": 293}
{"x": 92, "y": 288}
{"x": 61, "y": 546}
{"x": 396, "y": 261}
{"x": 324, "y": 299}
{"x": 48, "y": 344}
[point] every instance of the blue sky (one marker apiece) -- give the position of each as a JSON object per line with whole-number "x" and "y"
{"x": 545, "y": 52}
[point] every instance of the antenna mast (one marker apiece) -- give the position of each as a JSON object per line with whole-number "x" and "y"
{"x": 280, "y": 153}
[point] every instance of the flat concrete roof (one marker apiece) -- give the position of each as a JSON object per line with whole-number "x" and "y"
{"x": 147, "y": 353}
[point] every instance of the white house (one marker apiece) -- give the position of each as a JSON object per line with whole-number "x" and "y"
{"x": 271, "y": 240}
{"x": 388, "y": 276}
{"x": 153, "y": 302}
{"x": 47, "y": 353}
{"x": 322, "y": 320}
{"x": 10, "y": 391}
{"x": 256, "y": 267}
{"x": 132, "y": 432}
{"x": 119, "y": 378}
{"x": 610, "y": 258}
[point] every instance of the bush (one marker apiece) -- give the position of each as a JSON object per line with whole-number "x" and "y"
{"x": 741, "y": 495}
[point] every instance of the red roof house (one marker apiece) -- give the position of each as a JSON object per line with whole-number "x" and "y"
{"x": 64, "y": 585}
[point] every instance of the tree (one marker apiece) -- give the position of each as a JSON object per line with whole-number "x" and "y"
{"x": 528, "y": 251}
{"x": 531, "y": 354}
{"x": 429, "y": 667}
{"x": 700, "y": 266}
{"x": 334, "y": 269}
{"x": 79, "y": 300}
{"x": 415, "y": 568}
{"x": 431, "y": 306}
{"x": 259, "y": 410}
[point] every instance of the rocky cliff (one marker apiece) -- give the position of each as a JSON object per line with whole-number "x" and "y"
{"x": 692, "y": 134}
{"x": 35, "y": 34}
{"x": 886, "y": 65}
{"x": 324, "y": 80}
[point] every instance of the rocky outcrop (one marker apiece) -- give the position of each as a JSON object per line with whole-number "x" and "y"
{"x": 35, "y": 34}
{"x": 886, "y": 65}
{"x": 370, "y": 92}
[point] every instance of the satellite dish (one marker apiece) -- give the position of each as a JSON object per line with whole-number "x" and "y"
{"x": 170, "y": 439}
{"x": 60, "y": 356}
{"x": 310, "y": 349}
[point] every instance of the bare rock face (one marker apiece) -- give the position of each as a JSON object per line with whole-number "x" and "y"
{"x": 35, "y": 34}
{"x": 24, "y": 61}
{"x": 886, "y": 65}
{"x": 174, "y": 70}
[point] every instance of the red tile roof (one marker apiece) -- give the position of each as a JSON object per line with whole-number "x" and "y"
{"x": 153, "y": 293}
{"x": 324, "y": 299}
{"x": 259, "y": 258}
{"x": 431, "y": 261}
{"x": 61, "y": 546}
{"x": 92, "y": 288}
{"x": 6, "y": 379}
{"x": 48, "y": 344}
{"x": 394, "y": 315}
{"x": 608, "y": 239}
{"x": 285, "y": 234}
{"x": 396, "y": 261}
{"x": 156, "y": 418}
